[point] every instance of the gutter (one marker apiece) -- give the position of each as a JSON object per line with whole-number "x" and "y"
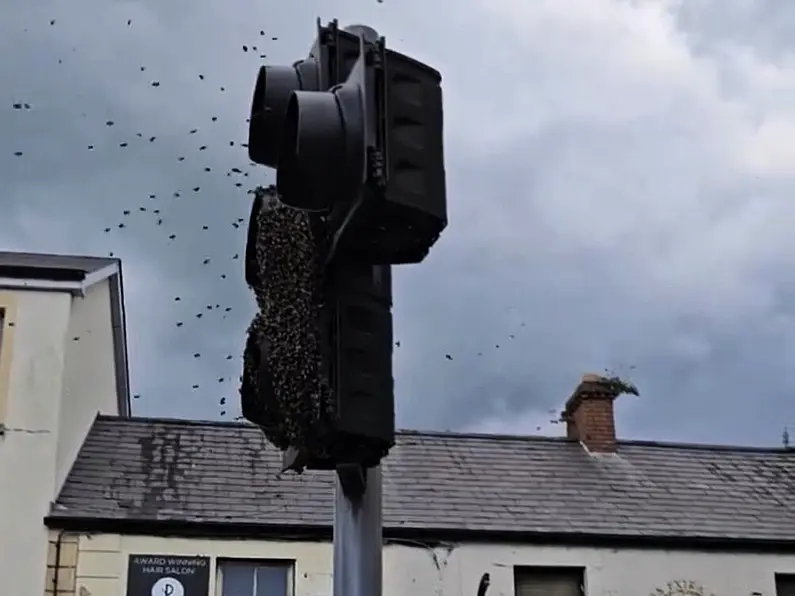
{"x": 57, "y": 567}
{"x": 118, "y": 317}
{"x": 75, "y": 288}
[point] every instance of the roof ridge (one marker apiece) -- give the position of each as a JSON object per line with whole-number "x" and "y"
{"x": 173, "y": 421}
{"x": 443, "y": 434}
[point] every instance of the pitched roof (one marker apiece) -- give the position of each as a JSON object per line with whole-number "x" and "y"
{"x": 146, "y": 469}
{"x": 75, "y": 273}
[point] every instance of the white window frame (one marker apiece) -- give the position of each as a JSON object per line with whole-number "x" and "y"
{"x": 287, "y": 564}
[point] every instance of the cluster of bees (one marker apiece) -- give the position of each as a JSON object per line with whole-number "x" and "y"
{"x": 284, "y": 386}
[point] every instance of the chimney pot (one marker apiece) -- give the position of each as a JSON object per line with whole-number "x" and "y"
{"x": 591, "y": 378}
{"x": 589, "y": 413}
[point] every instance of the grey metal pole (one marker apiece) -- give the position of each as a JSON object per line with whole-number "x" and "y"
{"x": 358, "y": 521}
{"x": 358, "y": 539}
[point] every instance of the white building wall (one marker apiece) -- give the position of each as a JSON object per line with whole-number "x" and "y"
{"x": 89, "y": 381}
{"x": 28, "y": 446}
{"x": 55, "y": 384}
{"x": 608, "y": 572}
{"x": 414, "y": 570}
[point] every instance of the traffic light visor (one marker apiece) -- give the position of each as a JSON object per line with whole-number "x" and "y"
{"x": 269, "y": 103}
{"x": 321, "y": 148}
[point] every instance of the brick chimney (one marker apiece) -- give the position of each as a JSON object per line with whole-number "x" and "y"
{"x": 589, "y": 414}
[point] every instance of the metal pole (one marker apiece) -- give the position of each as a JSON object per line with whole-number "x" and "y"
{"x": 358, "y": 539}
{"x": 358, "y": 523}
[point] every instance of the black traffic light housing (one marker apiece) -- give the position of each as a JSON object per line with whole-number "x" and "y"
{"x": 355, "y": 133}
{"x": 404, "y": 210}
{"x": 356, "y": 130}
{"x": 358, "y": 324}
{"x": 352, "y": 319}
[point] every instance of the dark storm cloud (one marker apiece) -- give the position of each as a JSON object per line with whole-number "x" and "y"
{"x": 622, "y": 209}
{"x": 765, "y": 25}
{"x": 619, "y": 186}
{"x": 102, "y": 148}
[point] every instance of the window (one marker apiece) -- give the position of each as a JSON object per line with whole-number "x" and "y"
{"x": 785, "y": 584}
{"x": 549, "y": 581}
{"x": 255, "y": 578}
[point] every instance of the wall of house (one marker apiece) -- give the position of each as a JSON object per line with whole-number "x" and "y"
{"x": 28, "y": 445}
{"x": 97, "y": 566}
{"x": 89, "y": 376}
{"x": 51, "y": 388}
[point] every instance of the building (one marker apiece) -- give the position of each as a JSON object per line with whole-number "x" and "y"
{"x": 531, "y": 512}
{"x": 62, "y": 360}
{"x": 151, "y": 502}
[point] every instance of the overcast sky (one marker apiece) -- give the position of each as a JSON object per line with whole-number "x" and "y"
{"x": 621, "y": 180}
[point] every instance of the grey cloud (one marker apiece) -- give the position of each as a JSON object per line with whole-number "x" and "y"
{"x": 765, "y": 25}
{"x": 629, "y": 197}
{"x": 604, "y": 210}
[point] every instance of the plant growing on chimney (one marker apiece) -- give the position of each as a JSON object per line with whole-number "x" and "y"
{"x": 617, "y": 384}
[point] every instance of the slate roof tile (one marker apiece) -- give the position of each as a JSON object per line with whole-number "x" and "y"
{"x": 148, "y": 469}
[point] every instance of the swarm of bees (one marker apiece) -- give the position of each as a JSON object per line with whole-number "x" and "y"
{"x": 284, "y": 387}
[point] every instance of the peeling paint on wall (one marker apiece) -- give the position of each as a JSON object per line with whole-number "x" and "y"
{"x": 440, "y": 555}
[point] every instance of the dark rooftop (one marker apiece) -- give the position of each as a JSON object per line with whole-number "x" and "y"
{"x": 50, "y": 266}
{"x": 146, "y": 469}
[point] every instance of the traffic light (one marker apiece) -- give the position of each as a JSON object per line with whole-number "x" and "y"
{"x": 317, "y": 365}
{"x": 324, "y": 144}
{"x": 356, "y": 130}
{"x": 404, "y": 210}
{"x": 355, "y": 133}
{"x": 269, "y": 104}
{"x": 274, "y": 84}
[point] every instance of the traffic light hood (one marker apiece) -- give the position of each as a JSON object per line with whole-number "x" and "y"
{"x": 269, "y": 104}
{"x": 324, "y": 144}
